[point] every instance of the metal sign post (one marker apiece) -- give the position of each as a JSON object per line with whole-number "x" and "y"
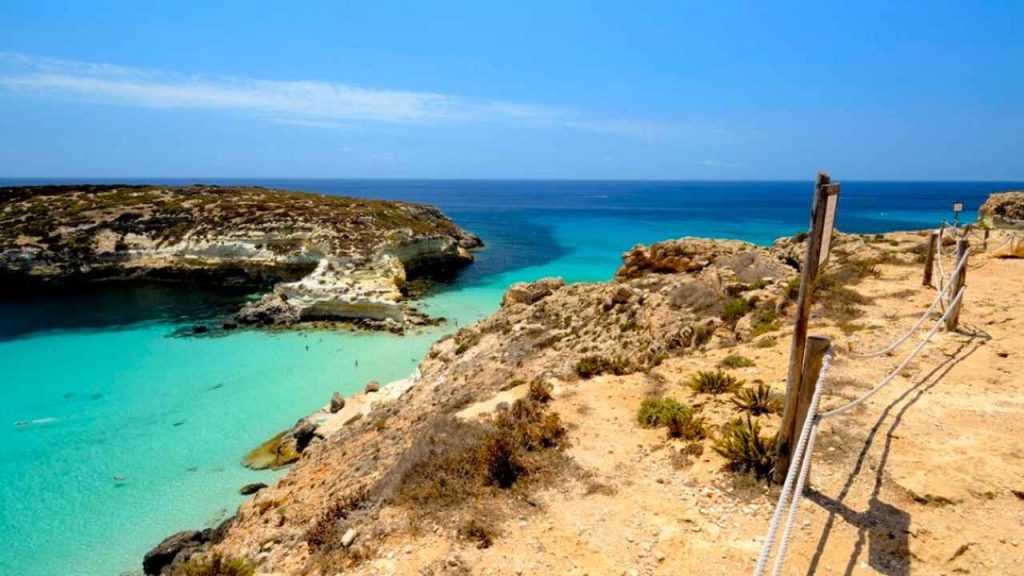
{"x": 958, "y": 207}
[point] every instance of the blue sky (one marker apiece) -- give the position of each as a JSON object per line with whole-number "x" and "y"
{"x": 609, "y": 90}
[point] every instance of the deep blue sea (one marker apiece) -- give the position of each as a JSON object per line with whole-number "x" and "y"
{"x": 111, "y": 390}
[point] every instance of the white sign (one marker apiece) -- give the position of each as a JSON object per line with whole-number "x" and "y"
{"x": 958, "y": 206}
{"x": 830, "y": 222}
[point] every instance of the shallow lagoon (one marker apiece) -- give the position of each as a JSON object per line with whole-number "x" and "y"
{"x": 112, "y": 392}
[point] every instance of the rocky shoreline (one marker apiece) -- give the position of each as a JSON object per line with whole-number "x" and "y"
{"x": 322, "y": 258}
{"x": 386, "y": 481}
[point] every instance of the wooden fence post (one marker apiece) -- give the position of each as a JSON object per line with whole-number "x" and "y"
{"x": 984, "y": 240}
{"x": 795, "y": 411}
{"x": 821, "y": 224}
{"x": 929, "y": 258}
{"x": 959, "y": 281}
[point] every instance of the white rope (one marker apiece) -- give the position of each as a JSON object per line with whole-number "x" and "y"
{"x": 805, "y": 470}
{"x": 787, "y": 486}
{"x": 899, "y": 368}
{"x": 895, "y": 343}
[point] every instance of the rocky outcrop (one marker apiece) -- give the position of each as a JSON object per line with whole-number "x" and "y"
{"x": 326, "y": 257}
{"x": 177, "y": 548}
{"x": 749, "y": 262}
{"x": 283, "y": 449}
{"x": 1003, "y": 210}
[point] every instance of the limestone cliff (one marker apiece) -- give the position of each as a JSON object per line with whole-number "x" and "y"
{"x": 1003, "y": 210}
{"x": 328, "y": 257}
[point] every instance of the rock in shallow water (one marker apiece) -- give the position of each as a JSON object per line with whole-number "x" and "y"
{"x": 177, "y": 548}
{"x": 283, "y": 449}
{"x": 250, "y": 489}
{"x": 337, "y": 403}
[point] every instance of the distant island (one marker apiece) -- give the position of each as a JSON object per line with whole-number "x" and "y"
{"x": 320, "y": 257}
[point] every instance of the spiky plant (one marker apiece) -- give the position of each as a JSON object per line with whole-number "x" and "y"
{"x": 684, "y": 424}
{"x": 746, "y": 450}
{"x": 714, "y": 382}
{"x": 757, "y": 401}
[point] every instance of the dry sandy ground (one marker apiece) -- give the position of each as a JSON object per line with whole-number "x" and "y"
{"x": 925, "y": 478}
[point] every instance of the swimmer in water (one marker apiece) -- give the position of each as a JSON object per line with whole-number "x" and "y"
{"x": 119, "y": 478}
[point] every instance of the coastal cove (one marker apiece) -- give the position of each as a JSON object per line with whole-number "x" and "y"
{"x": 173, "y": 415}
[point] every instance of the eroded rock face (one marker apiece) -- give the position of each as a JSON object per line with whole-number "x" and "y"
{"x": 695, "y": 254}
{"x": 530, "y": 292}
{"x": 1003, "y": 210}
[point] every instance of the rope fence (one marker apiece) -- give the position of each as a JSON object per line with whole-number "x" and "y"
{"x": 799, "y": 469}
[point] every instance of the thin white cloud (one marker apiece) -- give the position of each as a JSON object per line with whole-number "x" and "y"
{"x": 312, "y": 103}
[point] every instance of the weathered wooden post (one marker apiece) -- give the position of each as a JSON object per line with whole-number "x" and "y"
{"x": 984, "y": 240}
{"x": 929, "y": 258}
{"x": 819, "y": 242}
{"x": 958, "y": 281}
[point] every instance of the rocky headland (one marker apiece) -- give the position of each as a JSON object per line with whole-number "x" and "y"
{"x": 1003, "y": 210}
{"x": 320, "y": 257}
{"x": 534, "y": 441}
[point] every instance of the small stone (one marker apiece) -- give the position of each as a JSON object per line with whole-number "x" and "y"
{"x": 349, "y": 537}
{"x": 372, "y": 386}
{"x": 337, "y": 403}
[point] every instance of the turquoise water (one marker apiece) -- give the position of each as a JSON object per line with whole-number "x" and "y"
{"x": 110, "y": 391}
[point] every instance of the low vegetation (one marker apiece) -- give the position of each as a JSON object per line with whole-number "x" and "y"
{"x": 745, "y": 448}
{"x": 215, "y": 565}
{"x": 678, "y": 418}
{"x": 736, "y": 361}
{"x": 590, "y": 366}
{"x": 734, "y": 309}
{"x": 757, "y": 400}
{"x": 765, "y": 321}
{"x": 714, "y": 382}
{"x": 451, "y": 468}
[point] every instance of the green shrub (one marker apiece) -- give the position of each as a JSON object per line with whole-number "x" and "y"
{"x": 736, "y": 361}
{"x": 684, "y": 424}
{"x": 757, "y": 400}
{"x": 793, "y": 288}
{"x": 745, "y": 449}
{"x": 766, "y": 321}
{"x": 766, "y": 342}
{"x": 716, "y": 382}
{"x": 734, "y": 309}
{"x": 590, "y": 366}
{"x": 702, "y": 335}
{"x": 677, "y": 417}
{"x": 215, "y": 565}
{"x": 655, "y": 411}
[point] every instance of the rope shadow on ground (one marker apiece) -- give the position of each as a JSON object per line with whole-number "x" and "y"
{"x": 886, "y": 526}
